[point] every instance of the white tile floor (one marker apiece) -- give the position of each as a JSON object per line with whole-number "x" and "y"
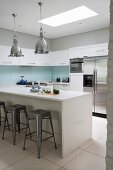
{"x": 90, "y": 156}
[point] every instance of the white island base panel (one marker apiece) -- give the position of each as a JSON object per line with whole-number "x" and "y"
{"x": 72, "y": 118}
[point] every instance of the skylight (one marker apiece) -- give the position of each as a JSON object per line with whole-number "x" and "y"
{"x": 73, "y": 15}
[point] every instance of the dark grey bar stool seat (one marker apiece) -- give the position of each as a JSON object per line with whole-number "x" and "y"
{"x": 39, "y": 116}
{"x": 15, "y": 110}
{"x": 2, "y": 116}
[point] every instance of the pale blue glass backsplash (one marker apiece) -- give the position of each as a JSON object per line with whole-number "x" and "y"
{"x": 11, "y": 74}
{"x": 60, "y": 71}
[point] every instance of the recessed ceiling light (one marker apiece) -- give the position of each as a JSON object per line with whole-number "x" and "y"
{"x": 73, "y": 15}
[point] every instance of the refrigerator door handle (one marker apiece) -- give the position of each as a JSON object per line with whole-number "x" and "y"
{"x": 94, "y": 87}
{"x": 95, "y": 80}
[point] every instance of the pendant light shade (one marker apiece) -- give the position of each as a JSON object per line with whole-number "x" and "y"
{"x": 15, "y": 49}
{"x": 41, "y": 45}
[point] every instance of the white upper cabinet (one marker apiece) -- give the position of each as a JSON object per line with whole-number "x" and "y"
{"x": 96, "y": 50}
{"x": 55, "y": 58}
{"x": 77, "y": 52}
{"x": 29, "y": 58}
{"x": 60, "y": 58}
{"x": 44, "y": 59}
{"x": 4, "y": 56}
{"x": 32, "y": 59}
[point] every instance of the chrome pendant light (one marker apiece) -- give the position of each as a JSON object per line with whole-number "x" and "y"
{"x": 41, "y": 46}
{"x": 15, "y": 49}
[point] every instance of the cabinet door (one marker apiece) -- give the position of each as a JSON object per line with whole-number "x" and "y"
{"x": 97, "y": 50}
{"x": 64, "y": 87}
{"x": 77, "y": 52}
{"x": 29, "y": 58}
{"x": 4, "y": 56}
{"x": 60, "y": 58}
{"x": 44, "y": 59}
{"x": 76, "y": 81}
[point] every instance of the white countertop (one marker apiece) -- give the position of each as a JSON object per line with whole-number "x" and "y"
{"x": 58, "y": 83}
{"x": 25, "y": 91}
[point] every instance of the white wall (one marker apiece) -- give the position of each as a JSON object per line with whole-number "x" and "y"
{"x": 29, "y": 41}
{"x": 25, "y": 40}
{"x": 93, "y": 37}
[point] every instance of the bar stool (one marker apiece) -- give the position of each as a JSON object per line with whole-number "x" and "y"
{"x": 2, "y": 118}
{"x": 15, "y": 110}
{"x": 39, "y": 116}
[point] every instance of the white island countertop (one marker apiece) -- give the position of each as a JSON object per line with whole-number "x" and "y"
{"x": 25, "y": 91}
{"x": 71, "y": 113}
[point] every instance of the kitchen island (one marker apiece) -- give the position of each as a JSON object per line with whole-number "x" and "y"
{"x": 71, "y": 113}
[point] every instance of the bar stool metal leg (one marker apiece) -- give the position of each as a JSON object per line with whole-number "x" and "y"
{"x": 27, "y": 118}
{"x": 39, "y": 134}
{"x": 0, "y": 116}
{"x": 27, "y": 126}
{"x": 5, "y": 112}
{"x": 14, "y": 126}
{"x": 7, "y": 122}
{"x": 4, "y": 127}
{"x": 52, "y": 131}
{"x": 18, "y": 120}
{"x": 40, "y": 115}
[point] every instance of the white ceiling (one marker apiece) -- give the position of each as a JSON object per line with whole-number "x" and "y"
{"x": 28, "y": 14}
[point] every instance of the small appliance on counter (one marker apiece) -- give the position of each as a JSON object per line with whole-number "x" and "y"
{"x": 65, "y": 79}
{"x": 58, "y": 79}
{"x": 22, "y": 81}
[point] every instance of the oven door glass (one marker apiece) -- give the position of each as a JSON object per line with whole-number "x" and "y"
{"x": 76, "y": 68}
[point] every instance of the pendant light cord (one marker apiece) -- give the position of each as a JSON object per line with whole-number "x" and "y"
{"x": 15, "y": 25}
{"x": 40, "y": 14}
{"x": 14, "y": 16}
{"x": 41, "y": 46}
{"x": 41, "y": 30}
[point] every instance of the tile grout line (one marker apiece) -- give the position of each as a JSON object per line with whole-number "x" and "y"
{"x": 93, "y": 142}
{"x": 16, "y": 162}
{"x": 52, "y": 162}
{"x": 67, "y": 162}
{"x": 87, "y": 146}
{"x": 93, "y": 153}
{"x": 73, "y": 158}
{"x": 63, "y": 169}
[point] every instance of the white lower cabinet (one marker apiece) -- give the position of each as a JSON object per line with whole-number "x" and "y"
{"x": 76, "y": 81}
{"x": 64, "y": 87}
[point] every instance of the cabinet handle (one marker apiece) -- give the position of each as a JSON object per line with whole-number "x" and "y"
{"x": 62, "y": 63}
{"x": 46, "y": 63}
{"x": 65, "y": 85}
{"x": 31, "y": 63}
{"x": 100, "y": 50}
{"x": 6, "y": 62}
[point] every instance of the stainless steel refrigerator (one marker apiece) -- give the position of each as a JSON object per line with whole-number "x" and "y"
{"x": 96, "y": 67}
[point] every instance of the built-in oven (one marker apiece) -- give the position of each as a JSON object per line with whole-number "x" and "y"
{"x": 76, "y": 65}
{"x": 88, "y": 80}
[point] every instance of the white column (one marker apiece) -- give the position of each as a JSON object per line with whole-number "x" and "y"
{"x": 109, "y": 144}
